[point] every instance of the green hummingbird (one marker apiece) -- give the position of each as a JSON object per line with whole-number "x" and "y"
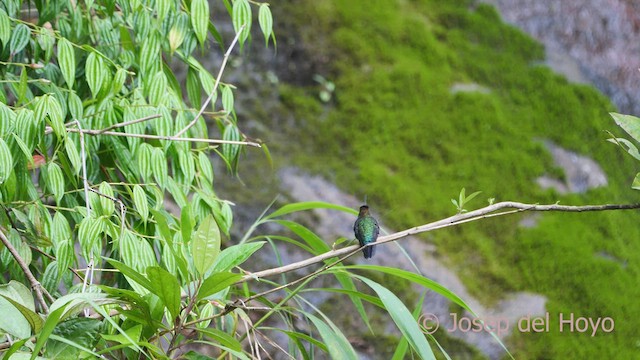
{"x": 366, "y": 229}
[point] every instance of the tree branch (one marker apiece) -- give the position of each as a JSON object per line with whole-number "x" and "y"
{"x": 485, "y": 212}
{"x": 35, "y": 285}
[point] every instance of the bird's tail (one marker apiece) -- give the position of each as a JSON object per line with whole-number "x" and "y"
{"x": 368, "y": 252}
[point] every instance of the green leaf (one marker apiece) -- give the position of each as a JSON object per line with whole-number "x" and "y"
{"x": 227, "y": 99}
{"x": 310, "y": 205}
{"x": 106, "y": 204}
{"x": 67, "y": 61}
{"x": 94, "y": 73}
{"x": 628, "y": 123}
{"x": 216, "y": 283}
{"x": 206, "y": 169}
{"x": 55, "y": 181}
{"x": 19, "y": 38}
{"x": 12, "y": 321}
{"x": 636, "y": 182}
{"x": 159, "y": 167}
{"x": 6, "y": 161}
{"x": 205, "y": 244}
{"x": 200, "y": 19}
{"x": 56, "y": 117}
{"x": 158, "y": 89}
{"x": 415, "y": 278}
{"x": 75, "y": 106}
{"x": 337, "y": 345}
{"x": 89, "y": 235}
{"x": 53, "y": 318}
{"x": 167, "y": 287}
{"x": 403, "y": 319}
{"x": 266, "y": 22}
{"x": 73, "y": 155}
{"x": 140, "y": 202}
{"x": 236, "y": 255}
{"x": 5, "y": 28}
{"x": 131, "y": 274}
{"x": 241, "y": 16}
{"x": 144, "y": 159}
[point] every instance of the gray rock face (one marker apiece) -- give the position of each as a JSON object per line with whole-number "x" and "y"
{"x": 581, "y": 172}
{"x": 598, "y": 40}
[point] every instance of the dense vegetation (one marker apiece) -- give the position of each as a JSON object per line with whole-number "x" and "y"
{"x": 396, "y": 131}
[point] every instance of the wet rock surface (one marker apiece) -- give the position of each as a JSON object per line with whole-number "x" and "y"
{"x": 594, "y": 40}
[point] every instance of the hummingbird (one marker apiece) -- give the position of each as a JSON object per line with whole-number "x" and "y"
{"x": 366, "y": 229}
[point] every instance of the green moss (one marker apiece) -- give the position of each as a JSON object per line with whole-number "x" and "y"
{"x": 398, "y": 134}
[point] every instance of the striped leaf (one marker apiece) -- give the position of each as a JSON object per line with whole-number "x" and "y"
{"x": 149, "y": 54}
{"x": 157, "y": 88}
{"x": 8, "y": 120}
{"x": 60, "y": 229}
{"x": 56, "y": 117}
{"x": 193, "y": 88}
{"x": 89, "y": 235}
{"x": 162, "y": 8}
{"x": 5, "y": 27}
{"x": 55, "y": 181}
{"x": 6, "y": 161}
{"x": 241, "y": 16}
{"x": 25, "y": 128}
{"x": 107, "y": 205}
{"x": 67, "y": 61}
{"x": 187, "y": 166}
{"x": 94, "y": 73}
{"x": 266, "y": 22}
{"x": 200, "y": 19}
{"x": 159, "y": 167}
{"x": 19, "y": 38}
{"x": 73, "y": 155}
{"x": 227, "y": 99}
{"x": 64, "y": 255}
{"x": 75, "y": 106}
{"x": 144, "y": 156}
{"x": 118, "y": 81}
{"x": 140, "y": 202}
{"x": 206, "y": 169}
{"x": 178, "y": 32}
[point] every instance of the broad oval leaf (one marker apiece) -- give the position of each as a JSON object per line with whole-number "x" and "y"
{"x": 205, "y": 245}
{"x": 216, "y": 283}
{"x": 94, "y": 73}
{"x": 200, "y": 18}
{"x": 140, "y": 202}
{"x": 266, "y": 22}
{"x": 67, "y": 61}
{"x": 55, "y": 181}
{"x": 6, "y": 161}
{"x": 19, "y": 38}
{"x": 166, "y": 286}
{"x": 5, "y": 27}
{"x": 106, "y": 204}
{"x": 241, "y": 16}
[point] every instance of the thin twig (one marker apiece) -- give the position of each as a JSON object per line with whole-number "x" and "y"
{"x": 215, "y": 86}
{"x": 450, "y": 221}
{"x": 35, "y": 285}
{"x": 114, "y": 126}
{"x": 168, "y": 138}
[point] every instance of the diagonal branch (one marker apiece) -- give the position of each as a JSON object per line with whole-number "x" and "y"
{"x": 485, "y": 212}
{"x": 35, "y": 285}
{"x": 215, "y": 86}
